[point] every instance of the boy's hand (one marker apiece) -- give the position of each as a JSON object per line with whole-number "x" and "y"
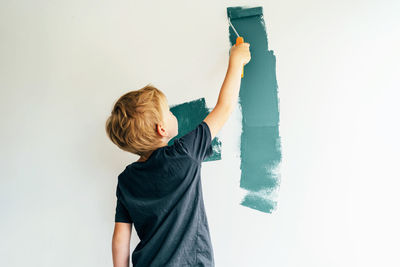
{"x": 240, "y": 54}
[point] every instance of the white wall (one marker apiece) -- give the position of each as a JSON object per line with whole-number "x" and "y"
{"x": 64, "y": 63}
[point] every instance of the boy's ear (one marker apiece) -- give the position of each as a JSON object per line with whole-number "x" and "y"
{"x": 160, "y": 129}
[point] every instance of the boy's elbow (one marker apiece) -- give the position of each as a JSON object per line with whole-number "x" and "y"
{"x": 218, "y": 117}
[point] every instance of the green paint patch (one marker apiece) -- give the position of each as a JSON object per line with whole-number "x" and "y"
{"x": 190, "y": 115}
{"x": 261, "y": 202}
{"x": 258, "y": 97}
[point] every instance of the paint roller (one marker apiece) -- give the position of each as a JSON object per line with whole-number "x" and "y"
{"x": 238, "y": 12}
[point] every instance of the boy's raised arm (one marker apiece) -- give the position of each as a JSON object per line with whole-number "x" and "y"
{"x": 121, "y": 244}
{"x": 228, "y": 95}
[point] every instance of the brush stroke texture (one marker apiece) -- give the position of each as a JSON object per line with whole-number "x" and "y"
{"x": 258, "y": 98}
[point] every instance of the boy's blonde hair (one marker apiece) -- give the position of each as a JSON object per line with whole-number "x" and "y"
{"x": 133, "y": 120}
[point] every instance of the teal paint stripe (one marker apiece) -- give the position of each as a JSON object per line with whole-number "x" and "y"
{"x": 190, "y": 115}
{"x": 258, "y": 97}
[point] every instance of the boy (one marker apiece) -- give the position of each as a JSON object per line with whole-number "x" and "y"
{"x": 161, "y": 193}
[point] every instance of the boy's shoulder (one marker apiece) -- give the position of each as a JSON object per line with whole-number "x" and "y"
{"x": 196, "y": 143}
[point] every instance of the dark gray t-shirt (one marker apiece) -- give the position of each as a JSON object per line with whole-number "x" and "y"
{"x": 163, "y": 199}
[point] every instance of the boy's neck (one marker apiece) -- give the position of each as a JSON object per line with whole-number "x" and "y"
{"x": 142, "y": 159}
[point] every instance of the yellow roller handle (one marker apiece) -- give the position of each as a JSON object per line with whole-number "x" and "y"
{"x": 240, "y": 40}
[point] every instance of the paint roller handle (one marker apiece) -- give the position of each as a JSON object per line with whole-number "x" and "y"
{"x": 240, "y": 40}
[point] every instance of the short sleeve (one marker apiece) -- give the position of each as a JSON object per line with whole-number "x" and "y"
{"x": 197, "y": 143}
{"x": 121, "y": 212}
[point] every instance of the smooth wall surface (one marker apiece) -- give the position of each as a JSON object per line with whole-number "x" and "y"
{"x": 64, "y": 63}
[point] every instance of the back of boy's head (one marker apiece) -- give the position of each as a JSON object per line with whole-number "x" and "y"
{"x": 133, "y": 120}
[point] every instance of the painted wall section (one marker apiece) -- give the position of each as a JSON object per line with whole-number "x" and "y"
{"x": 189, "y": 115}
{"x": 258, "y": 98}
